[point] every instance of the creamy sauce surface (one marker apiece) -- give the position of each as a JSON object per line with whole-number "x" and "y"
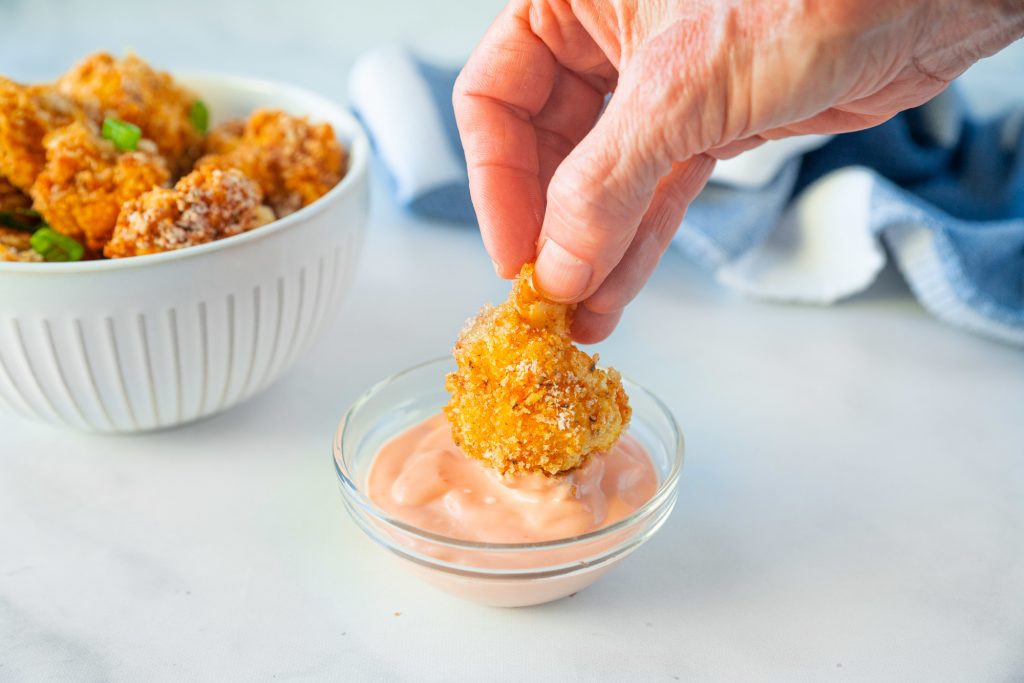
{"x": 422, "y": 478}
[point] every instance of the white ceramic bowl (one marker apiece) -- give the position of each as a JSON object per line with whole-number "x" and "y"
{"x": 154, "y": 341}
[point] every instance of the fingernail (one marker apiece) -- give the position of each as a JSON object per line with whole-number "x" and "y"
{"x": 558, "y": 274}
{"x": 497, "y": 268}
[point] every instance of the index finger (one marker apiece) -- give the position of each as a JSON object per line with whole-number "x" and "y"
{"x": 507, "y": 81}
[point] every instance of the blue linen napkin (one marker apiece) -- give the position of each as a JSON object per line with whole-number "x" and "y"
{"x": 803, "y": 219}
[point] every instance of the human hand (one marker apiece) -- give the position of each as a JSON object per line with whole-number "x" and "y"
{"x": 596, "y": 197}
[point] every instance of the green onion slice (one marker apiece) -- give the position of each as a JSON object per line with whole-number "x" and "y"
{"x": 53, "y": 246}
{"x": 124, "y": 135}
{"x": 200, "y": 116}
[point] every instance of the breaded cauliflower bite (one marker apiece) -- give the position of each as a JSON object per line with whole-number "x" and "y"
{"x": 17, "y": 219}
{"x": 131, "y": 90}
{"x": 524, "y": 398}
{"x": 27, "y": 114}
{"x": 86, "y": 180}
{"x": 224, "y": 138}
{"x": 12, "y": 199}
{"x": 206, "y": 205}
{"x": 15, "y": 246}
{"x": 294, "y": 161}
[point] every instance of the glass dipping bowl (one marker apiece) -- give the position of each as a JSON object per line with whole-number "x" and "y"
{"x": 500, "y": 574}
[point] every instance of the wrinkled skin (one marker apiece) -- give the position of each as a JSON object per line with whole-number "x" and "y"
{"x": 596, "y": 202}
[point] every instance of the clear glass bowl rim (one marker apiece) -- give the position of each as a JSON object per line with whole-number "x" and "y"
{"x": 353, "y": 493}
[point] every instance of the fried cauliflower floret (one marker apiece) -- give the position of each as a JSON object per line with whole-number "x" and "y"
{"x": 86, "y": 180}
{"x": 15, "y": 246}
{"x": 12, "y": 199}
{"x": 524, "y": 398}
{"x": 294, "y": 161}
{"x": 205, "y": 205}
{"x": 224, "y": 138}
{"x": 131, "y": 90}
{"x": 27, "y": 114}
{"x": 16, "y": 212}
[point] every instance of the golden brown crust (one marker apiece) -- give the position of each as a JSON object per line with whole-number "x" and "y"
{"x": 15, "y": 246}
{"x": 206, "y": 205}
{"x": 294, "y": 161}
{"x": 224, "y": 138}
{"x": 524, "y": 398}
{"x": 53, "y": 159}
{"x": 27, "y": 114}
{"x": 131, "y": 90}
{"x": 15, "y": 207}
{"x": 86, "y": 180}
{"x": 11, "y": 198}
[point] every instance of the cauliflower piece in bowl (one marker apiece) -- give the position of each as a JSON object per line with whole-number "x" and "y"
{"x": 294, "y": 161}
{"x": 131, "y": 90}
{"x": 86, "y": 180}
{"x": 205, "y": 205}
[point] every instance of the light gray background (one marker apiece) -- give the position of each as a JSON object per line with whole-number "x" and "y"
{"x": 852, "y": 508}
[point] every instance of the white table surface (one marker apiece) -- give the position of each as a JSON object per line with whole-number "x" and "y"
{"x": 852, "y": 506}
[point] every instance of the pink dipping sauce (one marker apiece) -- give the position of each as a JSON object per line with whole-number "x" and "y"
{"x": 420, "y": 477}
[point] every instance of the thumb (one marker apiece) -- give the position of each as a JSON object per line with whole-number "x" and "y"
{"x": 596, "y": 200}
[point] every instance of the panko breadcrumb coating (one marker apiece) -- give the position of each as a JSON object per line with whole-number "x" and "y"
{"x": 86, "y": 180}
{"x": 57, "y": 166}
{"x": 524, "y": 398}
{"x": 206, "y": 205}
{"x": 16, "y": 215}
{"x": 294, "y": 161}
{"x": 15, "y": 246}
{"x": 11, "y": 198}
{"x": 224, "y": 138}
{"x": 27, "y": 114}
{"x": 131, "y": 90}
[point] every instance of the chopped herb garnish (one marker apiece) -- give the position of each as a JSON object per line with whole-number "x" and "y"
{"x": 200, "y": 116}
{"x": 124, "y": 135}
{"x": 53, "y": 246}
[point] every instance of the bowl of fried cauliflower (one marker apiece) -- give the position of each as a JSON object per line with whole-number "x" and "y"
{"x": 169, "y": 245}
